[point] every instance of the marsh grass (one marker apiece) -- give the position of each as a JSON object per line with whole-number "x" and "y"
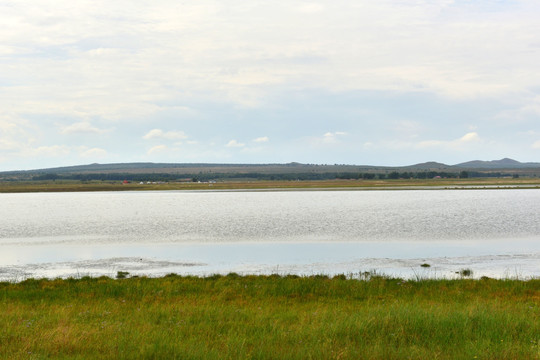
{"x": 270, "y": 317}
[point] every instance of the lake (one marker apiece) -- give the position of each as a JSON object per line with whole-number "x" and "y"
{"x": 493, "y": 232}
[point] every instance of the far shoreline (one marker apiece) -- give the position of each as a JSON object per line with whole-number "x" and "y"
{"x": 260, "y": 185}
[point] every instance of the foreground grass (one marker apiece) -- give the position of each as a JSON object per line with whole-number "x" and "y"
{"x": 270, "y": 317}
{"x": 70, "y": 186}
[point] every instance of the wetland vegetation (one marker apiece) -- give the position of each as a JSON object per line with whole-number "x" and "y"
{"x": 270, "y": 317}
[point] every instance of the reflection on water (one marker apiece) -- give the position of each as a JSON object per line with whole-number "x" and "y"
{"x": 63, "y": 234}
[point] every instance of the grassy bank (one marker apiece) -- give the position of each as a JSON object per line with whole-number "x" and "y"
{"x": 270, "y": 317}
{"x": 68, "y": 186}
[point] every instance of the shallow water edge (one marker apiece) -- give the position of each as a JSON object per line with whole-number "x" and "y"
{"x": 400, "y": 259}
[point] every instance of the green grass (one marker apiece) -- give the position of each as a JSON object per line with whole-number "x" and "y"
{"x": 269, "y": 317}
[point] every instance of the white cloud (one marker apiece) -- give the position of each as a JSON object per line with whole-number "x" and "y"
{"x": 234, "y": 143}
{"x": 47, "y": 151}
{"x": 157, "y": 149}
{"x": 469, "y": 138}
{"x": 9, "y": 145}
{"x": 536, "y": 145}
{"x": 167, "y": 135}
{"x": 446, "y": 47}
{"x": 81, "y": 128}
{"x": 6, "y": 125}
{"x": 368, "y": 145}
{"x": 528, "y": 109}
{"x": 332, "y": 137}
{"x": 407, "y": 129}
{"x": 262, "y": 139}
{"x": 310, "y": 8}
{"x": 94, "y": 153}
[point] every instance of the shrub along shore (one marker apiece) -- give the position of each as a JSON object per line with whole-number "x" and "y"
{"x": 270, "y": 317}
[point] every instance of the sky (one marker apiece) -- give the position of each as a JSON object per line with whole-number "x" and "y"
{"x": 386, "y": 82}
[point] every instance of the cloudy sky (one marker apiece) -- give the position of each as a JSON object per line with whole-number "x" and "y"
{"x": 386, "y": 82}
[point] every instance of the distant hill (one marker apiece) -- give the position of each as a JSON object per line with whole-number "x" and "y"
{"x": 289, "y": 171}
{"x": 430, "y": 165}
{"x": 505, "y": 163}
{"x": 138, "y": 167}
{"x": 189, "y": 168}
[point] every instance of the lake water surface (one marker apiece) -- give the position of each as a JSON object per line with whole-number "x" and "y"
{"x": 493, "y": 232}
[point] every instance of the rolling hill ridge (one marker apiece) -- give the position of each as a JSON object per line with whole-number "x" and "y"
{"x": 289, "y": 171}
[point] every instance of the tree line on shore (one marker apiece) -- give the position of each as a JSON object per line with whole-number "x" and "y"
{"x": 265, "y": 176}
